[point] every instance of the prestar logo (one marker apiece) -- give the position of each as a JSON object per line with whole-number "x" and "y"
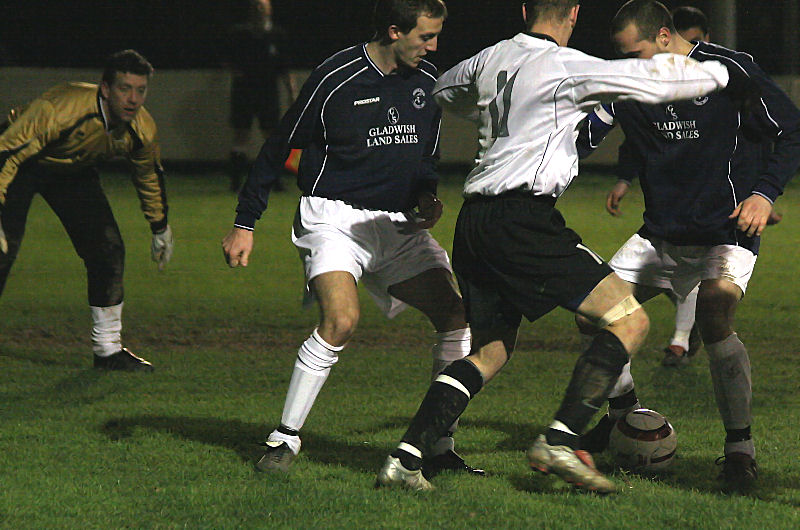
{"x": 367, "y": 101}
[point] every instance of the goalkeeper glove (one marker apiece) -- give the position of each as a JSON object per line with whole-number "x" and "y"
{"x": 161, "y": 247}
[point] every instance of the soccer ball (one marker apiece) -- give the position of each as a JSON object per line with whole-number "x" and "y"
{"x": 643, "y": 441}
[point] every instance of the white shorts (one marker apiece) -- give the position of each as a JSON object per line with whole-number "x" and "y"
{"x": 660, "y": 264}
{"x": 371, "y": 245}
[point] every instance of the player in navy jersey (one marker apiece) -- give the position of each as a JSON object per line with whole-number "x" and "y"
{"x": 369, "y": 130}
{"x": 708, "y": 197}
{"x": 512, "y": 252}
{"x": 692, "y": 25}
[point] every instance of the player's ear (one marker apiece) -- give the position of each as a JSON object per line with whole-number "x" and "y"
{"x": 393, "y": 33}
{"x": 663, "y": 38}
{"x": 573, "y": 14}
{"x": 525, "y": 13}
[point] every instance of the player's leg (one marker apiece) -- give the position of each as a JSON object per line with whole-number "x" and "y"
{"x": 622, "y": 399}
{"x": 13, "y": 215}
{"x": 433, "y": 293}
{"x": 730, "y": 373}
{"x": 623, "y": 326}
{"x": 640, "y": 263}
{"x": 81, "y": 205}
{"x": 337, "y": 295}
{"x": 445, "y": 401}
{"x": 494, "y": 328}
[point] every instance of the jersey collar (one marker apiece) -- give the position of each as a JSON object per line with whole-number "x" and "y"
{"x": 370, "y": 61}
{"x": 541, "y": 36}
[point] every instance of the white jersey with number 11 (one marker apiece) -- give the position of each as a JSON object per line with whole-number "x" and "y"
{"x": 529, "y": 97}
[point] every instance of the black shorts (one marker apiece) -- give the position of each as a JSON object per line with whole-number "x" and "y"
{"x": 254, "y": 97}
{"x": 513, "y": 255}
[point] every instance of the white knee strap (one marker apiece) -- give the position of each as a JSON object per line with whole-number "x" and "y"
{"x": 452, "y": 345}
{"x": 626, "y": 307}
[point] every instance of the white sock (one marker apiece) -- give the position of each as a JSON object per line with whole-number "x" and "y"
{"x": 106, "y": 329}
{"x": 684, "y": 320}
{"x": 624, "y": 382}
{"x": 292, "y": 441}
{"x": 558, "y": 426}
{"x": 450, "y": 346}
{"x": 314, "y": 360}
{"x": 730, "y": 373}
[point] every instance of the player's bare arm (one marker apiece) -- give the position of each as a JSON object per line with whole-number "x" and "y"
{"x": 753, "y": 214}
{"x": 614, "y": 197}
{"x": 236, "y": 246}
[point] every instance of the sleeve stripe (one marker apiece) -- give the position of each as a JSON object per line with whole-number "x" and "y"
{"x": 438, "y": 135}
{"x": 310, "y": 99}
{"x": 723, "y": 58}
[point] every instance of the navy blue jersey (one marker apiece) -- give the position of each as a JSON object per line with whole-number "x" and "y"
{"x": 368, "y": 139}
{"x": 697, "y": 160}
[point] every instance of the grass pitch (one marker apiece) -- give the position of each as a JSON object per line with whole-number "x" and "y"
{"x": 80, "y": 449}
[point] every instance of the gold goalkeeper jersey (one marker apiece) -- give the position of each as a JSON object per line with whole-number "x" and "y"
{"x": 66, "y": 130}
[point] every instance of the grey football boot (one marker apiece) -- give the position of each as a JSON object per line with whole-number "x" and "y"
{"x": 276, "y": 459}
{"x": 574, "y": 466}
{"x": 393, "y": 474}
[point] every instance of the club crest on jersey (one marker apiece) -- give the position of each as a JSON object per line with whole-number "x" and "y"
{"x": 394, "y": 115}
{"x": 418, "y": 98}
{"x": 671, "y": 112}
{"x": 700, "y": 101}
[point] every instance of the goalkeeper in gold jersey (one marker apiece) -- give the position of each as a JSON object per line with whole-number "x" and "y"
{"x": 51, "y": 147}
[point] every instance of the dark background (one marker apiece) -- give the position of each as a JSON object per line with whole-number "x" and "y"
{"x": 191, "y": 34}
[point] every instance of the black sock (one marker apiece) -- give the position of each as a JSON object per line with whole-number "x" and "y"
{"x": 283, "y": 429}
{"x": 442, "y": 405}
{"x": 737, "y": 435}
{"x": 556, "y": 437}
{"x": 624, "y": 401}
{"x": 593, "y": 378}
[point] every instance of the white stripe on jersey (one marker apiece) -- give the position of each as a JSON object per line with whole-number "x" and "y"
{"x": 322, "y": 82}
{"x": 529, "y": 95}
{"x": 325, "y": 128}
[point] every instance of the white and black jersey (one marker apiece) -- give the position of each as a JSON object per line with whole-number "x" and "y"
{"x": 697, "y": 160}
{"x": 529, "y": 97}
{"x": 368, "y": 139}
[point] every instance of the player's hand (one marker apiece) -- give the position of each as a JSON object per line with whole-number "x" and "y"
{"x": 774, "y": 218}
{"x": 752, "y": 214}
{"x": 615, "y": 196}
{"x": 3, "y": 242}
{"x": 237, "y": 246}
{"x": 161, "y": 247}
{"x": 430, "y": 210}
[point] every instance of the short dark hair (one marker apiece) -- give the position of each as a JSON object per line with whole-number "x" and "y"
{"x": 404, "y": 14}
{"x": 686, "y": 17}
{"x": 538, "y": 10}
{"x": 648, "y": 16}
{"x": 126, "y": 62}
